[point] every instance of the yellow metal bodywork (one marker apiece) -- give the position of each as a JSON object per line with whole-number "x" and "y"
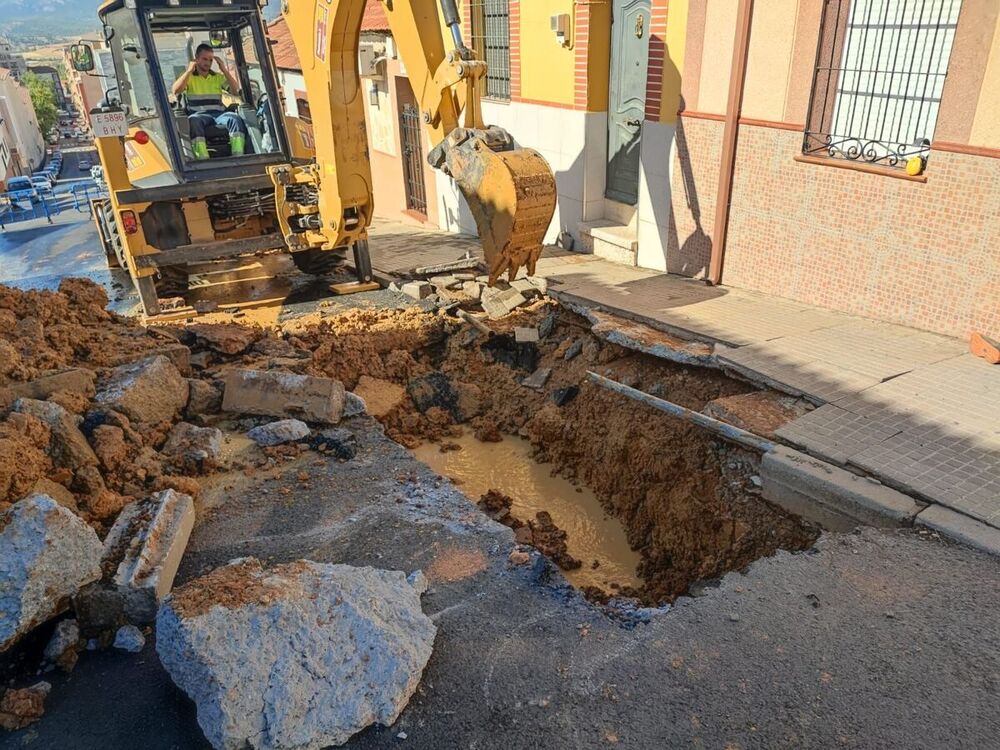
{"x": 511, "y": 192}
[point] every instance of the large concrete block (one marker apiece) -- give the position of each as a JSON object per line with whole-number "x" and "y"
{"x": 303, "y": 655}
{"x": 830, "y": 496}
{"x": 284, "y": 394}
{"x": 46, "y": 555}
{"x": 150, "y": 390}
{"x": 67, "y": 446}
{"x": 144, "y": 549}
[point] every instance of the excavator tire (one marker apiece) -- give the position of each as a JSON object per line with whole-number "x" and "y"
{"x": 172, "y": 282}
{"x": 318, "y": 262}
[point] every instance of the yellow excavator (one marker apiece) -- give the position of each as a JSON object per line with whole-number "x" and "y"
{"x": 181, "y": 192}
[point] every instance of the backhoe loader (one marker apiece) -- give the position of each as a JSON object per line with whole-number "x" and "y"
{"x": 176, "y": 200}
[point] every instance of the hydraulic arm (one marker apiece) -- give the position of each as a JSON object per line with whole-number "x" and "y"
{"x": 510, "y": 191}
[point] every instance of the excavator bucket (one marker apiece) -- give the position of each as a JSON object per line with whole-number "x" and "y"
{"x": 512, "y": 196}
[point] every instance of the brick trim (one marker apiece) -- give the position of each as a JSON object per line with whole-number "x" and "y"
{"x": 773, "y": 124}
{"x": 691, "y": 114}
{"x": 963, "y": 148}
{"x": 514, "y": 46}
{"x": 557, "y": 105}
{"x": 581, "y": 45}
{"x": 657, "y": 55}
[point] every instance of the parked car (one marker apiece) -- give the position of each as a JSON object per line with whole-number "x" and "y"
{"x": 42, "y": 185}
{"x": 97, "y": 173}
{"x": 23, "y": 185}
{"x": 84, "y": 165}
{"x": 49, "y": 178}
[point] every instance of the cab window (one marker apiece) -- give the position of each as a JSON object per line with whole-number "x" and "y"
{"x": 213, "y": 119}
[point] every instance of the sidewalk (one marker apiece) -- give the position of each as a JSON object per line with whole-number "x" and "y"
{"x": 913, "y": 409}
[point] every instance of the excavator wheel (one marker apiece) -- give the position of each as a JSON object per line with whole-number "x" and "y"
{"x": 172, "y": 281}
{"x": 318, "y": 262}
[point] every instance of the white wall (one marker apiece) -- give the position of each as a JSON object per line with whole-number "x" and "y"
{"x": 22, "y": 127}
{"x": 574, "y": 143}
{"x": 656, "y": 163}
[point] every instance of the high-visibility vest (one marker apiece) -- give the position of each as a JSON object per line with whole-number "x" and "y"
{"x": 204, "y": 93}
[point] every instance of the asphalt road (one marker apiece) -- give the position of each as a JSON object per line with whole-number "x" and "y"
{"x": 871, "y": 640}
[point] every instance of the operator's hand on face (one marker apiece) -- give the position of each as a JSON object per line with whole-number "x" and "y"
{"x": 193, "y": 66}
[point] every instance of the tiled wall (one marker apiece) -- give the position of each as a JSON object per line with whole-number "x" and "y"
{"x": 920, "y": 254}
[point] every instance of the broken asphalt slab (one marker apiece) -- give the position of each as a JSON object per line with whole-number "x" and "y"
{"x": 853, "y": 642}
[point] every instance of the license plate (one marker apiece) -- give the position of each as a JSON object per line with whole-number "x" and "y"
{"x": 108, "y": 124}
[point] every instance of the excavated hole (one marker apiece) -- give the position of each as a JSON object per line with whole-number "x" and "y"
{"x": 659, "y": 504}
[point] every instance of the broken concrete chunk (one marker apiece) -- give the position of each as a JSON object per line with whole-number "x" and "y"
{"x": 472, "y": 289}
{"x": 204, "y": 397}
{"x": 21, "y": 708}
{"x": 444, "y": 282}
{"x": 541, "y": 284}
{"x": 526, "y": 335}
{"x": 564, "y": 395}
{"x": 525, "y": 287}
{"x": 129, "y": 638}
{"x": 380, "y": 396}
{"x": 74, "y": 380}
{"x": 151, "y": 390}
{"x": 279, "y": 433}
{"x": 63, "y": 648}
{"x": 46, "y": 555}
{"x": 144, "y": 549}
{"x": 575, "y": 350}
{"x": 417, "y": 289}
{"x": 68, "y": 447}
{"x": 283, "y": 394}
{"x": 492, "y": 305}
{"x": 225, "y": 338}
{"x": 179, "y": 355}
{"x": 538, "y": 378}
{"x": 303, "y": 655}
{"x": 512, "y": 299}
{"x": 193, "y": 450}
{"x": 354, "y": 405}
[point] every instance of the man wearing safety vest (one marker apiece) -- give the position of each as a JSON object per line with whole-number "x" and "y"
{"x": 204, "y": 89}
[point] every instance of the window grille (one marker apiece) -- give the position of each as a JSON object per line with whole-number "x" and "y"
{"x": 880, "y": 71}
{"x": 491, "y": 42}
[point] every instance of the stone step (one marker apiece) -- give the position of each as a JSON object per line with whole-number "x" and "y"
{"x": 609, "y": 240}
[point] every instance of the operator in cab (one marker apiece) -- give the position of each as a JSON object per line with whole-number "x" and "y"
{"x": 204, "y": 89}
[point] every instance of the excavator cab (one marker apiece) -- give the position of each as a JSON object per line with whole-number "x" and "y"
{"x": 168, "y": 208}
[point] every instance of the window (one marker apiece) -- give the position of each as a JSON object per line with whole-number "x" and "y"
{"x": 880, "y": 71}
{"x": 491, "y": 41}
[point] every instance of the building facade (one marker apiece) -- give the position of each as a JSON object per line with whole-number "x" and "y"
{"x": 22, "y": 147}
{"x": 844, "y": 153}
{"x": 11, "y": 60}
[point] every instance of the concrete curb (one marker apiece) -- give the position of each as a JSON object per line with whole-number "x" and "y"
{"x": 961, "y": 528}
{"x": 830, "y": 496}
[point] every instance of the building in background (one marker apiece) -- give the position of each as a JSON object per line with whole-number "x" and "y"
{"x": 22, "y": 146}
{"x": 11, "y": 60}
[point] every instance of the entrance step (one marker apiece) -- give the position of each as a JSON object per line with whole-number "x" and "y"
{"x": 609, "y": 240}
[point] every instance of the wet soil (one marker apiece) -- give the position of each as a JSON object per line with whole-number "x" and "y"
{"x": 593, "y": 537}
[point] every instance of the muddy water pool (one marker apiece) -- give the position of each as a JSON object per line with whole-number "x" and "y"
{"x": 508, "y": 467}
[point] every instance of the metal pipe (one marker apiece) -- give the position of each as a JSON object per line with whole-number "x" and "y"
{"x": 737, "y": 77}
{"x": 725, "y": 431}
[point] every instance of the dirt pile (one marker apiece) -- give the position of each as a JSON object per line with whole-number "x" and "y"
{"x": 539, "y": 532}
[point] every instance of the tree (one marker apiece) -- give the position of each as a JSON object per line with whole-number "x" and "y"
{"x": 44, "y": 100}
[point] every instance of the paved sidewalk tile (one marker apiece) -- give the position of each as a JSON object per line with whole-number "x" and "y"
{"x": 835, "y": 433}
